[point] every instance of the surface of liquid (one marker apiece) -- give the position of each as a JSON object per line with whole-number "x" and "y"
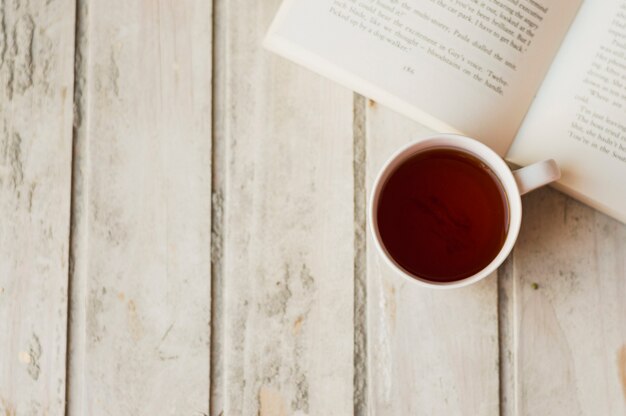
{"x": 443, "y": 215}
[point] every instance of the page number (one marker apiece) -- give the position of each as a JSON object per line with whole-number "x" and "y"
{"x": 409, "y": 69}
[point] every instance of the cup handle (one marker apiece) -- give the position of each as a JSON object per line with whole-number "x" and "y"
{"x": 536, "y": 175}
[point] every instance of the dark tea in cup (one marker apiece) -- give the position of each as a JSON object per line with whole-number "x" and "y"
{"x": 445, "y": 210}
{"x": 442, "y": 215}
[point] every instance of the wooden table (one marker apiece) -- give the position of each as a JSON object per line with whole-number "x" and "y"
{"x": 183, "y": 233}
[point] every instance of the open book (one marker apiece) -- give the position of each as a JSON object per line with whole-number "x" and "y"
{"x": 533, "y": 79}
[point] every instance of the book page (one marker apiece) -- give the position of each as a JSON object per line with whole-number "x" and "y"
{"x": 579, "y": 115}
{"x": 469, "y": 66}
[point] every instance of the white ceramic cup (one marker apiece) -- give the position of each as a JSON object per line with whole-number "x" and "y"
{"x": 514, "y": 184}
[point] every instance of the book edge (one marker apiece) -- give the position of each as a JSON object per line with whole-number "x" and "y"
{"x": 320, "y": 66}
{"x": 593, "y": 203}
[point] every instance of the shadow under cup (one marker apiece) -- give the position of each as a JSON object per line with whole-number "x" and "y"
{"x": 442, "y": 214}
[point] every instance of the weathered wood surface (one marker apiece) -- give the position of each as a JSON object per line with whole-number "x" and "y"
{"x": 430, "y": 352}
{"x": 307, "y": 318}
{"x": 286, "y": 195}
{"x": 36, "y": 79}
{"x": 141, "y": 238}
{"x": 566, "y": 293}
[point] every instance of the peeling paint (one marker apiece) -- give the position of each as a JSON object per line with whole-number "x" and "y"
{"x": 15, "y": 160}
{"x": 7, "y": 408}
{"x": 301, "y": 398}
{"x": 34, "y": 354}
{"x": 271, "y": 402}
{"x": 23, "y": 44}
{"x": 297, "y": 325}
{"x": 16, "y": 53}
{"x": 134, "y": 323}
{"x": 621, "y": 368}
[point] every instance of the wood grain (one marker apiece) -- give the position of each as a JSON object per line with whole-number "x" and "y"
{"x": 36, "y": 61}
{"x": 288, "y": 229}
{"x": 142, "y": 210}
{"x": 569, "y": 314}
{"x": 430, "y": 352}
{"x": 308, "y": 318}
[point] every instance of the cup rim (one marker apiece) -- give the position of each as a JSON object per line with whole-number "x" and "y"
{"x": 475, "y": 148}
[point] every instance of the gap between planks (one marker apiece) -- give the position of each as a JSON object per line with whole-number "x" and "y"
{"x": 506, "y": 337}
{"x": 76, "y": 302}
{"x": 219, "y": 79}
{"x": 360, "y": 257}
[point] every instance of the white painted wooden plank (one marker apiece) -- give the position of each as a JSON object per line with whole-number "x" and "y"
{"x": 568, "y": 291}
{"x": 288, "y": 229}
{"x": 141, "y": 281}
{"x": 431, "y": 352}
{"x": 36, "y": 66}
